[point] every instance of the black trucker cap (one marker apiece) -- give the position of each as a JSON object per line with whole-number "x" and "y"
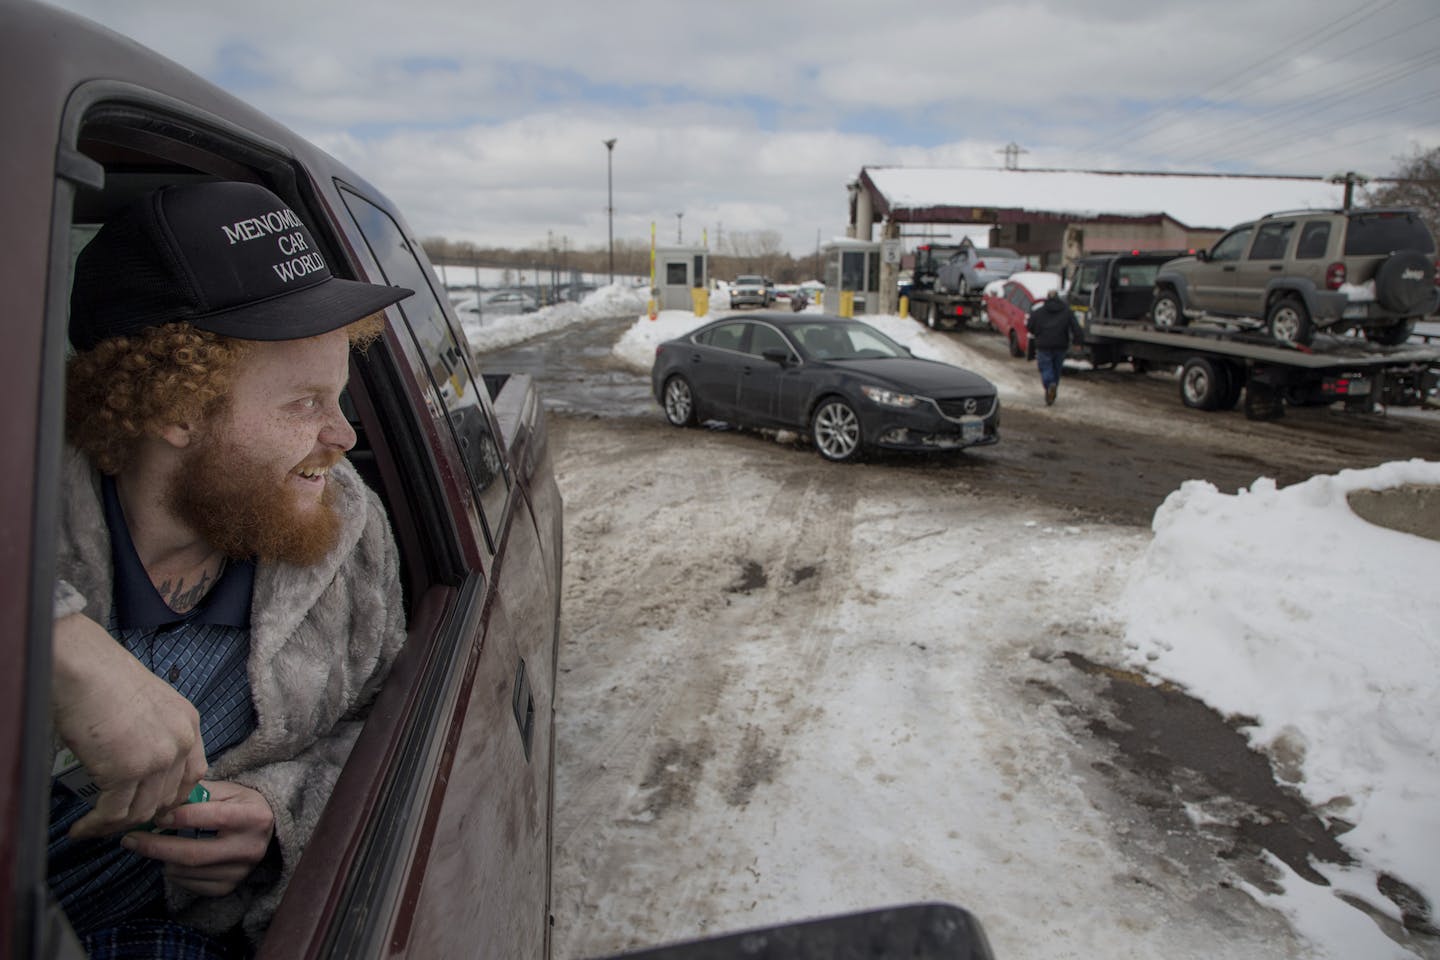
{"x": 227, "y": 257}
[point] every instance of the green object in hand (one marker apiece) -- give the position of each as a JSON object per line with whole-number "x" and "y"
{"x": 198, "y": 794}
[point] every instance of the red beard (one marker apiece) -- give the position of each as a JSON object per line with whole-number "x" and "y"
{"x": 233, "y": 502}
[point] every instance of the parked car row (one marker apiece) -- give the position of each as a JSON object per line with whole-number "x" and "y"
{"x": 496, "y": 303}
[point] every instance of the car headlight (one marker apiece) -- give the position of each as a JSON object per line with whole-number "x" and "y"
{"x": 889, "y": 398}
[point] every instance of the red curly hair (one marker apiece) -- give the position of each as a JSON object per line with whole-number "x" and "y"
{"x": 128, "y": 386}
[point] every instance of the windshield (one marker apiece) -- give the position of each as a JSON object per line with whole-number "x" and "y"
{"x": 997, "y": 252}
{"x": 750, "y": 281}
{"x": 851, "y": 340}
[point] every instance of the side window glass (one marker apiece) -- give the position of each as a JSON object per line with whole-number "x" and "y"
{"x": 1085, "y": 283}
{"x": 675, "y": 274}
{"x": 852, "y": 270}
{"x": 449, "y": 371}
{"x": 1232, "y": 245}
{"x": 1314, "y": 240}
{"x": 727, "y": 336}
{"x": 1271, "y": 240}
{"x": 764, "y": 337}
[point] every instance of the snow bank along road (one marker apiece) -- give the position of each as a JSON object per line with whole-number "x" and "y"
{"x": 790, "y": 689}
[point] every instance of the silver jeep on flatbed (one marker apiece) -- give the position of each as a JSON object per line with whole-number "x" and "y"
{"x": 1302, "y": 271}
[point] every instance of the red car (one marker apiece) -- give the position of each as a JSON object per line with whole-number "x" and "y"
{"x": 1008, "y": 305}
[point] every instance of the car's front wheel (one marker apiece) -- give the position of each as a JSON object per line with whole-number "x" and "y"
{"x": 835, "y": 429}
{"x": 1166, "y": 311}
{"x": 679, "y": 402}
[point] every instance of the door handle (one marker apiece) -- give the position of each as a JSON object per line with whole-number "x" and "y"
{"x": 522, "y": 702}
{"x": 1228, "y": 269}
{"x": 1276, "y": 267}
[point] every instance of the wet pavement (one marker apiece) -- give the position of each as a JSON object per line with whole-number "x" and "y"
{"x": 576, "y": 372}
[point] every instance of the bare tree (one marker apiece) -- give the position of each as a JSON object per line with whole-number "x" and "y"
{"x": 1415, "y": 184}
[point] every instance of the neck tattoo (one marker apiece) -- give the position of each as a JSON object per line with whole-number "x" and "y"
{"x": 182, "y": 597}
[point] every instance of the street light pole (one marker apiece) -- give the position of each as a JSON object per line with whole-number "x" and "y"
{"x": 610, "y": 199}
{"x": 679, "y": 237}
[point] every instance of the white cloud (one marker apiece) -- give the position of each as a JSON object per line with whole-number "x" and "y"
{"x": 486, "y": 121}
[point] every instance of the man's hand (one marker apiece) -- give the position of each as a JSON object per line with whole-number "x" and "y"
{"x": 138, "y": 739}
{"x": 243, "y": 825}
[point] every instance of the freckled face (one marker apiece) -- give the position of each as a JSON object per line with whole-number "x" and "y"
{"x": 284, "y": 412}
{"x": 255, "y": 479}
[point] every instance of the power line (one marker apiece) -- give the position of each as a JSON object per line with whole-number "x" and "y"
{"x": 1269, "y": 58}
{"x": 1424, "y": 98}
{"x": 1305, "y": 109}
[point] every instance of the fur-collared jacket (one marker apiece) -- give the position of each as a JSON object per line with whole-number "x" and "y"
{"x": 322, "y": 639}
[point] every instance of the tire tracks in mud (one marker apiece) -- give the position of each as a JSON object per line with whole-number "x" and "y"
{"x": 768, "y": 592}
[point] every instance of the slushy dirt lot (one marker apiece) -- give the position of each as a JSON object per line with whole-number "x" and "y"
{"x": 790, "y": 688}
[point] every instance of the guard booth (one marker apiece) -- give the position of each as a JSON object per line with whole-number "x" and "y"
{"x": 678, "y": 272}
{"x": 852, "y": 277}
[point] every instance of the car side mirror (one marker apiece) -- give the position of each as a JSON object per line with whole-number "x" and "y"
{"x": 777, "y": 355}
{"x": 1202, "y": 255}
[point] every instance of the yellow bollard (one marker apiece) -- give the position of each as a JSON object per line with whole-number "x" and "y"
{"x": 904, "y": 306}
{"x": 700, "y": 300}
{"x": 847, "y": 303}
{"x": 650, "y": 309}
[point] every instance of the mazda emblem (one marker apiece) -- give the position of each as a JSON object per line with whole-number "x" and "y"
{"x": 971, "y": 406}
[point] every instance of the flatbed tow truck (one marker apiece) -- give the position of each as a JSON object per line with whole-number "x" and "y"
{"x": 936, "y": 308}
{"x": 1219, "y": 361}
{"x": 1218, "y": 364}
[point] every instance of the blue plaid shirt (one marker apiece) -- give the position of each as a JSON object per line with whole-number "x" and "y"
{"x": 203, "y": 655}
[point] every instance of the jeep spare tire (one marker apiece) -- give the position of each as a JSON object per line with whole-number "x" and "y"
{"x": 1404, "y": 281}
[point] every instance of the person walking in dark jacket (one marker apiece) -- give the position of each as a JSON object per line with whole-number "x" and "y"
{"x": 1052, "y": 327}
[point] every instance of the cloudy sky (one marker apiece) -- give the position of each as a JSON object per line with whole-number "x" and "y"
{"x": 486, "y": 121}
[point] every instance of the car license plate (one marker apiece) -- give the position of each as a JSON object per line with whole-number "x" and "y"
{"x": 972, "y": 431}
{"x": 1359, "y": 387}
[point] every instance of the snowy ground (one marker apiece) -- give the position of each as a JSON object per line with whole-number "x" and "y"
{"x": 789, "y": 692}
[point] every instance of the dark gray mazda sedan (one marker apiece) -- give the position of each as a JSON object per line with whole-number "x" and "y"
{"x": 844, "y": 383}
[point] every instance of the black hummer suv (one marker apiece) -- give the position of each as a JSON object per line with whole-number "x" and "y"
{"x": 1307, "y": 270}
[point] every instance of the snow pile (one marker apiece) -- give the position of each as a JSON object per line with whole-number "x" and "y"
{"x": 1284, "y": 606}
{"x": 1039, "y": 283}
{"x": 609, "y": 301}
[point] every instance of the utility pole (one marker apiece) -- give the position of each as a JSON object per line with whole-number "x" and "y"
{"x": 610, "y": 199}
{"x": 1350, "y": 178}
{"x": 679, "y": 237}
